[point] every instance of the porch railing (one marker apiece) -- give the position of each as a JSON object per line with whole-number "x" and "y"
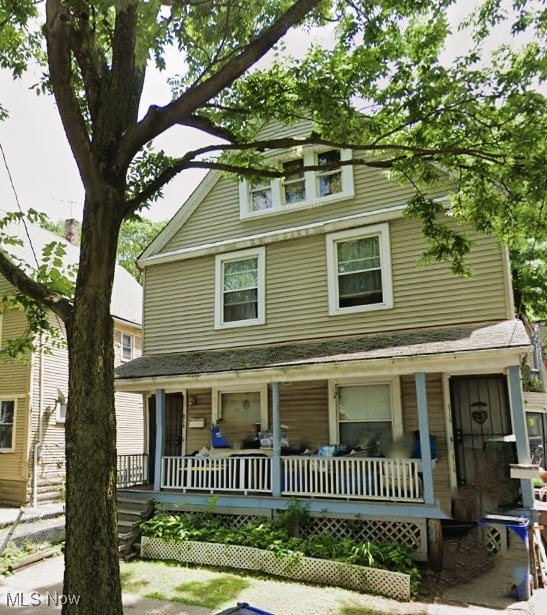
{"x": 361, "y": 478}
{"x": 336, "y": 477}
{"x": 245, "y": 474}
{"x": 132, "y": 470}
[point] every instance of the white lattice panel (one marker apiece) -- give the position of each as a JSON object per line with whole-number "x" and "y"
{"x": 326, "y": 572}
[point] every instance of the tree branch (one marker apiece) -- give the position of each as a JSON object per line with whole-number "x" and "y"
{"x": 399, "y": 152}
{"x": 14, "y": 275}
{"x": 57, "y": 37}
{"x": 90, "y": 59}
{"x": 159, "y": 119}
{"x": 206, "y": 125}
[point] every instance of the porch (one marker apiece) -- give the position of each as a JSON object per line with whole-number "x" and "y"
{"x": 371, "y": 400}
{"x": 304, "y": 477}
{"x": 396, "y": 480}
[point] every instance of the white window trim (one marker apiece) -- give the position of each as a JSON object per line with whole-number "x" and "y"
{"x": 396, "y": 404}
{"x": 379, "y": 230}
{"x": 220, "y": 259}
{"x": 59, "y": 405}
{"x": 262, "y": 389}
{"x": 132, "y": 337}
{"x": 310, "y": 178}
{"x": 12, "y": 398}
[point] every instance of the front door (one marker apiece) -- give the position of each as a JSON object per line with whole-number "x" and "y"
{"x": 173, "y": 429}
{"x": 483, "y": 446}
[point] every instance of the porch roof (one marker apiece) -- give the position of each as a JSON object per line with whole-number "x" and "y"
{"x": 509, "y": 334}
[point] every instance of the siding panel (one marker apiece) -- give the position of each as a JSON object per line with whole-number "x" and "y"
{"x": 297, "y": 297}
{"x": 217, "y": 217}
{"x": 437, "y": 427}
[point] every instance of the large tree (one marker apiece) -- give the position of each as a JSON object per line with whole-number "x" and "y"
{"x": 380, "y": 84}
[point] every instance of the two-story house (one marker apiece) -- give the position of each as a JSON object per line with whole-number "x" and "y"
{"x": 34, "y": 390}
{"x": 295, "y": 349}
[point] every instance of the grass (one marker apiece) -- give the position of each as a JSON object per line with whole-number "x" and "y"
{"x": 140, "y": 577}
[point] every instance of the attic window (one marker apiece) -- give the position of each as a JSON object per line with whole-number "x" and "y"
{"x": 299, "y": 189}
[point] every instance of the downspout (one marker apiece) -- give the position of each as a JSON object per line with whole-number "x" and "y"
{"x": 38, "y": 445}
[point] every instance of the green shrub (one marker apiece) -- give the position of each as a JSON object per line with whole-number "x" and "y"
{"x": 279, "y": 537}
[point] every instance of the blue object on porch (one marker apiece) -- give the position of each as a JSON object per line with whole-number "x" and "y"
{"x": 328, "y": 450}
{"x": 243, "y": 608}
{"x": 416, "y": 452}
{"x": 217, "y": 439}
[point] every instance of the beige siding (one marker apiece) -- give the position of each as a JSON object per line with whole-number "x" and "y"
{"x": 303, "y": 408}
{"x": 14, "y": 384}
{"x": 196, "y": 439}
{"x": 130, "y": 422}
{"x": 51, "y": 463}
{"x": 179, "y": 296}
{"x": 437, "y": 427}
{"x": 217, "y": 217}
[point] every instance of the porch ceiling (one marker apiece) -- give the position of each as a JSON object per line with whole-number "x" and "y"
{"x": 426, "y": 342}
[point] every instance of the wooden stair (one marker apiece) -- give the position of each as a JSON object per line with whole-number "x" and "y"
{"x": 131, "y": 513}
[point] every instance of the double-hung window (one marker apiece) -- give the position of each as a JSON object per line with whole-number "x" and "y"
{"x": 240, "y": 293}
{"x": 7, "y": 424}
{"x": 128, "y": 343}
{"x": 359, "y": 270}
{"x": 327, "y": 180}
{"x": 367, "y": 417}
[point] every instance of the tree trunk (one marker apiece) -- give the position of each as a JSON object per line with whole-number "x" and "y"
{"x": 91, "y": 554}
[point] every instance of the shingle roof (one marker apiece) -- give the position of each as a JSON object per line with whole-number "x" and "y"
{"x": 395, "y": 344}
{"x": 127, "y": 293}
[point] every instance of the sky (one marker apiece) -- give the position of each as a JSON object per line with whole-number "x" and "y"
{"x": 41, "y": 166}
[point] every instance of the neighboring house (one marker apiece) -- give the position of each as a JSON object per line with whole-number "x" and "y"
{"x": 33, "y": 393}
{"x": 297, "y": 307}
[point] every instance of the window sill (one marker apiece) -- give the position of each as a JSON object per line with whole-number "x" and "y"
{"x": 361, "y": 308}
{"x": 238, "y": 324}
{"x": 290, "y": 207}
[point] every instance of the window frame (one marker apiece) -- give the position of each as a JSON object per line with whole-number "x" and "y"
{"x": 60, "y": 411}
{"x": 261, "y": 389}
{"x": 260, "y": 254}
{"x": 12, "y": 398}
{"x": 395, "y": 403}
{"x": 378, "y": 230}
{"x": 311, "y": 184}
{"x": 132, "y": 338}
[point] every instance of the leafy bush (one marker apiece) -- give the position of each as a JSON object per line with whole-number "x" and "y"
{"x": 278, "y": 537}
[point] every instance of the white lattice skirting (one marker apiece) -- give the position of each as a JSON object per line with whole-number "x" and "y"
{"x": 370, "y": 580}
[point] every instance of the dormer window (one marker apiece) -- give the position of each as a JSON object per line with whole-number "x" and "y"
{"x": 298, "y": 189}
{"x": 329, "y": 180}
{"x": 260, "y": 197}
{"x": 294, "y": 183}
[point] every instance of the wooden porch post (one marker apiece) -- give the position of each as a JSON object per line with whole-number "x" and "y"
{"x": 423, "y": 425}
{"x": 160, "y": 414}
{"x": 518, "y": 417}
{"x": 276, "y": 433}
